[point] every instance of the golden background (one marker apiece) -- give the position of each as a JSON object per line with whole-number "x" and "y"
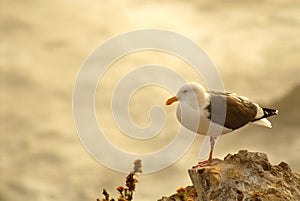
{"x": 254, "y": 44}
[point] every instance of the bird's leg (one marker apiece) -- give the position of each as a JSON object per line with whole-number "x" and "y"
{"x": 208, "y": 161}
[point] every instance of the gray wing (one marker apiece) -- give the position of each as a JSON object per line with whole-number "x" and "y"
{"x": 239, "y": 111}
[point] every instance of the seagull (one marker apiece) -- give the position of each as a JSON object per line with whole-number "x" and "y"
{"x": 199, "y": 109}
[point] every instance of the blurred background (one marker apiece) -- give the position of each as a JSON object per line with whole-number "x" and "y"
{"x": 254, "y": 44}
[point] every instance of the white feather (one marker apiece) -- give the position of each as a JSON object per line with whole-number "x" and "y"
{"x": 260, "y": 111}
{"x": 263, "y": 122}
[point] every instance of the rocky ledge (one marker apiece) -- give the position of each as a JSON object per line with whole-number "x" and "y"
{"x": 245, "y": 176}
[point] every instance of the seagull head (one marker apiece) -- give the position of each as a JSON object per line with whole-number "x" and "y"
{"x": 191, "y": 92}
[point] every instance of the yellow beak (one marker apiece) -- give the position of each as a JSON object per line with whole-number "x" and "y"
{"x": 171, "y": 100}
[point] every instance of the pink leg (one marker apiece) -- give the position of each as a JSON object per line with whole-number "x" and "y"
{"x": 208, "y": 161}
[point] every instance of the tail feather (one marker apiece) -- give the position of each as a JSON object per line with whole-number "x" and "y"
{"x": 263, "y": 122}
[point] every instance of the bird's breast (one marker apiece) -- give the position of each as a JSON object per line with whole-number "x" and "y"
{"x": 196, "y": 120}
{"x": 192, "y": 118}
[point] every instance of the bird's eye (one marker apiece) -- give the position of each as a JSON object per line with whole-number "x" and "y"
{"x": 184, "y": 91}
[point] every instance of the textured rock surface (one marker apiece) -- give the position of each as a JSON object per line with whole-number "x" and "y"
{"x": 244, "y": 176}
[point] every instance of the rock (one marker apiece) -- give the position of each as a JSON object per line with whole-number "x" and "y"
{"x": 245, "y": 176}
{"x": 187, "y": 194}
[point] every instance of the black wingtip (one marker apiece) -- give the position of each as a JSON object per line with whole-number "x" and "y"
{"x": 269, "y": 112}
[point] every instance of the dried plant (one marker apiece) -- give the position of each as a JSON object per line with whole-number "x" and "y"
{"x": 126, "y": 192}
